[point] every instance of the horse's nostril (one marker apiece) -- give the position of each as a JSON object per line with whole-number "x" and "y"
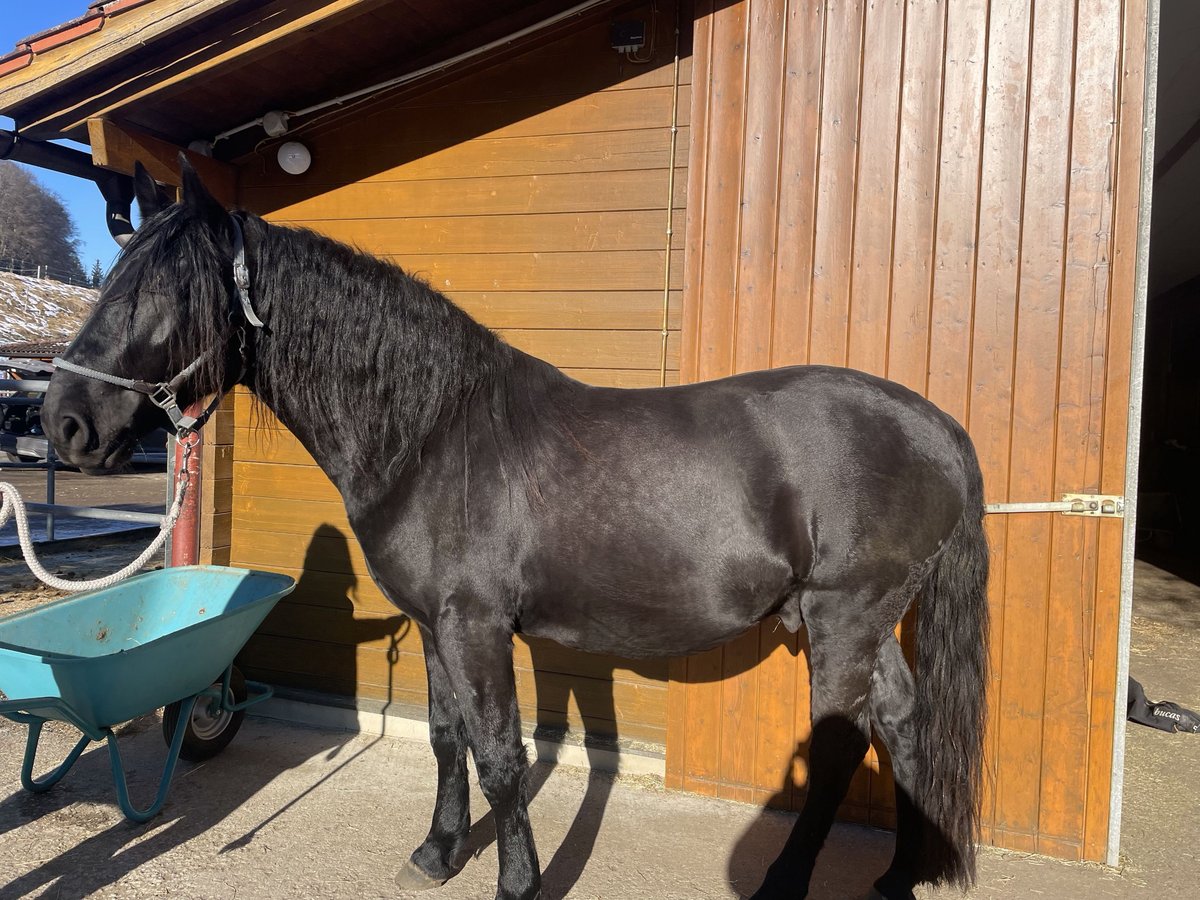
{"x": 70, "y": 434}
{"x": 66, "y": 425}
{"x": 70, "y": 427}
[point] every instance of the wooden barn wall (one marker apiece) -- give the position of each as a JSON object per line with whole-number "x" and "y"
{"x": 535, "y": 194}
{"x": 216, "y": 487}
{"x": 944, "y": 193}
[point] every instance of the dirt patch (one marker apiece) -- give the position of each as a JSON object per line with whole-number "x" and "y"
{"x": 80, "y": 559}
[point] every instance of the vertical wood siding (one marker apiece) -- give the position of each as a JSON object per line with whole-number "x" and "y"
{"x": 946, "y": 194}
{"x": 534, "y": 193}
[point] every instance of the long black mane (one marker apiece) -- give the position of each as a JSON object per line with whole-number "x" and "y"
{"x": 336, "y": 318}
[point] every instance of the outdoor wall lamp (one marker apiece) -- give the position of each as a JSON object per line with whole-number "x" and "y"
{"x": 294, "y": 158}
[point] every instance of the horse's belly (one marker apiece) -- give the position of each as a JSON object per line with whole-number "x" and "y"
{"x": 637, "y": 625}
{"x": 635, "y": 646}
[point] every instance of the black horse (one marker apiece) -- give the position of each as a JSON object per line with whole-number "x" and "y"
{"x": 493, "y": 495}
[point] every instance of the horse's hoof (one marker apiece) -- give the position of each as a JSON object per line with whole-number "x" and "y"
{"x": 412, "y": 878}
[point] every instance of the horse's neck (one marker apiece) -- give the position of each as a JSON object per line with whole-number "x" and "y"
{"x": 364, "y": 396}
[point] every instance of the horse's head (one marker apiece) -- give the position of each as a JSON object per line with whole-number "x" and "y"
{"x": 162, "y": 319}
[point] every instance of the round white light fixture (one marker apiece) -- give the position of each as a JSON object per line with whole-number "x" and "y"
{"x": 294, "y": 158}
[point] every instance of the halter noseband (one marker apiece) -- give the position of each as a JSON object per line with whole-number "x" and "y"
{"x": 164, "y": 394}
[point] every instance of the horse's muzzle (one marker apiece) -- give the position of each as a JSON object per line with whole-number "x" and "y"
{"x": 71, "y": 431}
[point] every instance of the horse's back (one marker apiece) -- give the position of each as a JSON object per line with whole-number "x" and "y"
{"x": 722, "y": 502}
{"x": 840, "y": 438}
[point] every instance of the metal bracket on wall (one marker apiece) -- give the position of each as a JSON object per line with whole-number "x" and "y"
{"x": 1107, "y": 506}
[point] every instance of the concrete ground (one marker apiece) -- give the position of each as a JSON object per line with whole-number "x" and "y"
{"x": 291, "y": 811}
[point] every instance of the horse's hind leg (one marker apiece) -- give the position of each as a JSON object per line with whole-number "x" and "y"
{"x": 477, "y": 657}
{"x": 844, "y": 632}
{"x": 433, "y": 863}
{"x": 892, "y": 706}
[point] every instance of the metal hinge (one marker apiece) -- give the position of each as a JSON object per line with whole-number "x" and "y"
{"x": 1107, "y": 506}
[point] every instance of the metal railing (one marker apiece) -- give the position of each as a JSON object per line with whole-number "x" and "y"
{"x": 51, "y": 509}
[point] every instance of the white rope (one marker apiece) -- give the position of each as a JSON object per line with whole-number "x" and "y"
{"x": 15, "y": 505}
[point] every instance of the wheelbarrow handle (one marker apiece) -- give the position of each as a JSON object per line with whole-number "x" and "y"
{"x": 118, "y": 769}
{"x": 40, "y": 785}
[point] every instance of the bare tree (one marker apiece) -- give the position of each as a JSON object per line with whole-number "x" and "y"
{"x": 35, "y": 227}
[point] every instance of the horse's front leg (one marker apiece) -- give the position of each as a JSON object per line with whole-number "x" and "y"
{"x": 435, "y": 861}
{"x": 476, "y": 652}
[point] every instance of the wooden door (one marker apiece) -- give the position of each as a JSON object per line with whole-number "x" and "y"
{"x": 946, "y": 194}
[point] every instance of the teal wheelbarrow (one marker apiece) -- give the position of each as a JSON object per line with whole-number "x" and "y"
{"x": 162, "y": 639}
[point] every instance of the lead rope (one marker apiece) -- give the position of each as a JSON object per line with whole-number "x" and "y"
{"x": 15, "y": 505}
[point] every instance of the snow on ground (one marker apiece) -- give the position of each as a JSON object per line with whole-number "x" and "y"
{"x": 34, "y": 309}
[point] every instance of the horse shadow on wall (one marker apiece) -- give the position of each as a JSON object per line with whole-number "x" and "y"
{"x": 325, "y": 636}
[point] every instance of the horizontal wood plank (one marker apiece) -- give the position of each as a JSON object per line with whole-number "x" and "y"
{"x": 581, "y": 310}
{"x": 507, "y": 195}
{"x": 419, "y": 157}
{"x": 603, "y": 230}
{"x": 287, "y": 516}
{"x": 629, "y": 270}
{"x": 595, "y": 349}
{"x": 256, "y": 479}
{"x": 324, "y": 548}
{"x": 269, "y": 443}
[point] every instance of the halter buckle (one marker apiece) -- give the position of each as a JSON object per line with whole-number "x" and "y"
{"x": 241, "y": 275}
{"x": 163, "y": 397}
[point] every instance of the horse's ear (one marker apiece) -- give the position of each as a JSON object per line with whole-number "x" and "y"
{"x": 149, "y": 198}
{"x": 196, "y": 196}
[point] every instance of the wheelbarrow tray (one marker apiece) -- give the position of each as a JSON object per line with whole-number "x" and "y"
{"x": 103, "y": 657}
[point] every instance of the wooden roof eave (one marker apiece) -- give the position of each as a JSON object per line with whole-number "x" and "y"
{"x": 240, "y": 36}
{"x": 58, "y": 73}
{"x": 167, "y": 89}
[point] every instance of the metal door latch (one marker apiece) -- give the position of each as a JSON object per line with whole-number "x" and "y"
{"x": 1108, "y": 506}
{"x": 1105, "y": 505}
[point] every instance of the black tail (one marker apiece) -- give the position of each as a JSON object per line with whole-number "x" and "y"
{"x": 951, "y": 707}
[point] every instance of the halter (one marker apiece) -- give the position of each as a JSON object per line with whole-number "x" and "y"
{"x": 164, "y": 394}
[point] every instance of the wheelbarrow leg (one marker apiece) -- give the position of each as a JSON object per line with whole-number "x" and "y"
{"x": 114, "y": 752}
{"x": 40, "y": 785}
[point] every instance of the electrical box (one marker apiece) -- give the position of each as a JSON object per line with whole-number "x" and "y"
{"x": 628, "y": 37}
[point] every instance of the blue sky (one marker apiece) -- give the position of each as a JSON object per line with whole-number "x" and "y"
{"x": 19, "y": 19}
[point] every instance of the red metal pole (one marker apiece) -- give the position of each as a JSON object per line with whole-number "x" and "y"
{"x": 185, "y": 538}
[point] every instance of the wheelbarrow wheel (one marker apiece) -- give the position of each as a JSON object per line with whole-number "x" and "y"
{"x": 210, "y": 728}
